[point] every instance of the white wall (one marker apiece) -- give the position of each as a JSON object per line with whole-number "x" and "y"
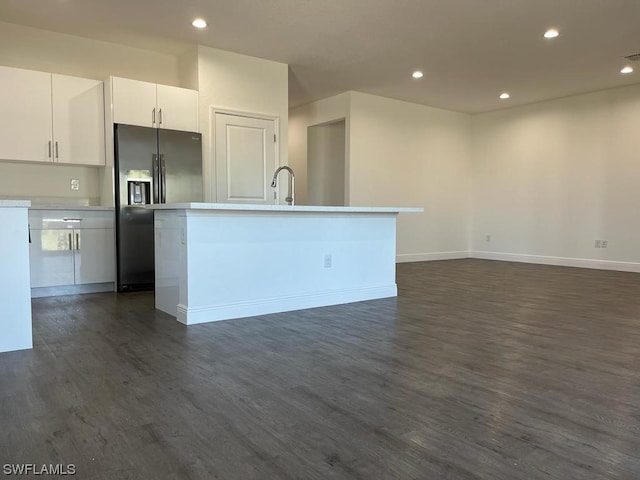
{"x": 49, "y": 184}
{"x": 188, "y": 68}
{"x": 326, "y": 164}
{"x": 551, "y": 178}
{"x": 34, "y": 49}
{"x": 240, "y": 83}
{"x": 402, "y": 154}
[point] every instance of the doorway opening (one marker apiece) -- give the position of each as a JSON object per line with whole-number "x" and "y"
{"x": 326, "y": 164}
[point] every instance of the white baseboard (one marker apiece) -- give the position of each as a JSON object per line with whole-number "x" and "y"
{"x": 559, "y": 261}
{"x": 425, "y": 257}
{"x": 213, "y": 313}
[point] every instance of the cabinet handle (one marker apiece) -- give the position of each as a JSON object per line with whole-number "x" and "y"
{"x": 160, "y": 117}
{"x": 56, "y": 150}
{"x": 49, "y": 148}
{"x": 70, "y": 242}
{"x": 163, "y": 179}
{"x": 77, "y": 241}
{"x": 153, "y": 116}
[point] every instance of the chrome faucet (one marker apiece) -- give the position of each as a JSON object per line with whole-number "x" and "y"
{"x": 291, "y": 192}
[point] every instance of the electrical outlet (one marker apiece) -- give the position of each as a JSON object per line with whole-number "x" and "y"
{"x": 598, "y": 244}
{"x": 487, "y": 238}
{"x": 327, "y": 260}
{"x": 75, "y": 184}
{"x": 604, "y": 243}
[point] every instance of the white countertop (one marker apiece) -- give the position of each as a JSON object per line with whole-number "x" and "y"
{"x": 280, "y": 208}
{"x": 15, "y": 203}
{"x": 70, "y": 208}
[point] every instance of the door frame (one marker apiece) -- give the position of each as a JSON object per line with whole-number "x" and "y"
{"x": 213, "y": 111}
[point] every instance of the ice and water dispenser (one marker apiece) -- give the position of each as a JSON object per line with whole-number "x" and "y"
{"x": 138, "y": 188}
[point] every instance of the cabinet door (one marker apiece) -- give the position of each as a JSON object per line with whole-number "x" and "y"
{"x": 177, "y": 108}
{"x": 78, "y": 120}
{"x": 51, "y": 257}
{"x": 25, "y": 115}
{"x": 134, "y": 102}
{"x": 94, "y": 255}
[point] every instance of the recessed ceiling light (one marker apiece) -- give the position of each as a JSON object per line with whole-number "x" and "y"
{"x": 551, "y": 33}
{"x": 199, "y": 23}
{"x": 417, "y": 74}
{"x": 626, "y": 70}
{"x": 504, "y": 96}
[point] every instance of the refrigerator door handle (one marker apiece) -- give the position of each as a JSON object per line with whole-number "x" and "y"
{"x": 156, "y": 179}
{"x": 163, "y": 173}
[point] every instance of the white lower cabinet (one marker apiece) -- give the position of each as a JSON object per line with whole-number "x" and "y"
{"x": 15, "y": 322}
{"x": 71, "y": 251}
{"x": 94, "y": 256}
{"x": 52, "y": 257}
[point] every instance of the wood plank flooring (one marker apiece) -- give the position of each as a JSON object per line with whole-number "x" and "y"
{"x": 477, "y": 370}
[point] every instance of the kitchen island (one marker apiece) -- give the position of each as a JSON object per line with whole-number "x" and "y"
{"x": 15, "y": 293}
{"x": 218, "y": 261}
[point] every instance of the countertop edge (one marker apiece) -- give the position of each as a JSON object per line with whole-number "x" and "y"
{"x": 281, "y": 208}
{"x": 15, "y": 203}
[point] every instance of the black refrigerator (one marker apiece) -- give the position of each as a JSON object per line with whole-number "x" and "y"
{"x": 151, "y": 166}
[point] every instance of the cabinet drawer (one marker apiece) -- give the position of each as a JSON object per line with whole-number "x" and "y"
{"x": 56, "y": 219}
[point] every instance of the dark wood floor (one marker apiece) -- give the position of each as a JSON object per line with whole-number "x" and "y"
{"x": 478, "y": 370}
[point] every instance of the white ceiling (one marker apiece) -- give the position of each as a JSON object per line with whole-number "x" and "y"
{"x": 470, "y": 50}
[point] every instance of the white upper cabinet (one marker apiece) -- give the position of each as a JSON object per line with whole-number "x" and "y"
{"x": 25, "y": 115}
{"x": 51, "y": 118}
{"x": 134, "y": 102}
{"x": 177, "y": 108}
{"x": 78, "y": 120}
{"x": 152, "y": 105}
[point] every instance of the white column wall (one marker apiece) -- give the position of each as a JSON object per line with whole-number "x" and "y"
{"x": 240, "y": 83}
{"x": 412, "y": 155}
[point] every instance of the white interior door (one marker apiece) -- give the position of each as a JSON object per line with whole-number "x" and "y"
{"x": 245, "y": 158}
